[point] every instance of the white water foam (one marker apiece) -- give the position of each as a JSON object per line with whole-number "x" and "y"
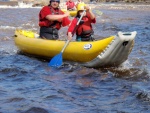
{"x": 7, "y": 27}
{"x": 20, "y": 5}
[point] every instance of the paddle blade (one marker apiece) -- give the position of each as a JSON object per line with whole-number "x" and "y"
{"x": 56, "y": 61}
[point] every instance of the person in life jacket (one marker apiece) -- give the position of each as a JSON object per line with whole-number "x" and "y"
{"x": 51, "y": 19}
{"x": 84, "y": 31}
{"x": 70, "y": 5}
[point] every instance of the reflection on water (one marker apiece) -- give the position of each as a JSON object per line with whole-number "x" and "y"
{"x": 28, "y": 85}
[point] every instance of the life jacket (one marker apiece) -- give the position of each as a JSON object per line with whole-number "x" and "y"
{"x": 53, "y": 24}
{"x": 70, "y": 5}
{"x": 85, "y": 28}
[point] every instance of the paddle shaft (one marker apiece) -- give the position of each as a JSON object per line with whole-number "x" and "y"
{"x": 80, "y": 18}
{"x": 73, "y": 31}
{"x": 78, "y": 22}
{"x": 65, "y": 46}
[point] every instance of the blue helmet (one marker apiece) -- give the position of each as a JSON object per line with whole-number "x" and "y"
{"x": 55, "y": 0}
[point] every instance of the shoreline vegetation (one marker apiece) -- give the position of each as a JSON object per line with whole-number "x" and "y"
{"x": 45, "y": 2}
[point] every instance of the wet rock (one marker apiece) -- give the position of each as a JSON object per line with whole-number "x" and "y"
{"x": 144, "y": 96}
{"x": 36, "y": 110}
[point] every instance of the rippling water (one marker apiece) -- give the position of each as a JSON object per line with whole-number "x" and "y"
{"x": 28, "y": 85}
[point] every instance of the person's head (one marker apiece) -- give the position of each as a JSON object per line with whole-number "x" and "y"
{"x": 80, "y": 9}
{"x": 54, "y": 3}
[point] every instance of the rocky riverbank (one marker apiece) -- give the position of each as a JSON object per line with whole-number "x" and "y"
{"x": 45, "y": 2}
{"x": 10, "y": 3}
{"x": 125, "y": 1}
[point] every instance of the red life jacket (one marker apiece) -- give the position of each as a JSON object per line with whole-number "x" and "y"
{"x": 53, "y": 24}
{"x": 70, "y": 5}
{"x": 85, "y": 27}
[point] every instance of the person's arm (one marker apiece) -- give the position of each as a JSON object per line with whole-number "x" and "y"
{"x": 88, "y": 10}
{"x": 71, "y": 28}
{"x": 57, "y": 17}
{"x": 66, "y": 21}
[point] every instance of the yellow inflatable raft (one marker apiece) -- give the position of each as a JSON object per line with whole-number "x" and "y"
{"x": 112, "y": 50}
{"x": 72, "y": 13}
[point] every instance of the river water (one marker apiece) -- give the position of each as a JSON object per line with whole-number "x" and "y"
{"x": 28, "y": 85}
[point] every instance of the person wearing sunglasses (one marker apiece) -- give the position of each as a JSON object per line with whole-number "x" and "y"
{"x": 51, "y": 19}
{"x": 84, "y": 31}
